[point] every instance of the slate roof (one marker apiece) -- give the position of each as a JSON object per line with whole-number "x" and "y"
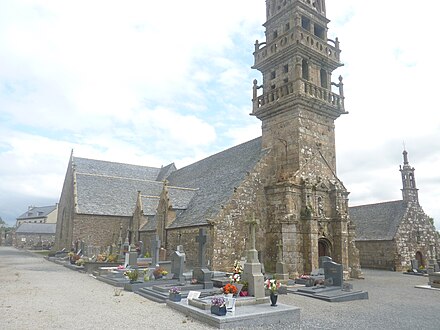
{"x": 37, "y": 228}
{"x": 100, "y": 167}
{"x": 149, "y": 204}
{"x": 180, "y": 197}
{"x": 214, "y": 178}
{"x": 196, "y": 192}
{"x": 37, "y": 212}
{"x": 165, "y": 172}
{"x": 378, "y": 221}
{"x": 151, "y": 225}
{"x": 110, "y": 195}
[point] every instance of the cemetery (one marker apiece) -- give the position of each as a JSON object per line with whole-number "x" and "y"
{"x": 219, "y": 299}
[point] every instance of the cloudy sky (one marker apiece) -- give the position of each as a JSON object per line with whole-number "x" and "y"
{"x": 155, "y": 82}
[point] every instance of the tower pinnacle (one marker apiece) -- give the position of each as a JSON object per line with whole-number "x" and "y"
{"x": 409, "y": 189}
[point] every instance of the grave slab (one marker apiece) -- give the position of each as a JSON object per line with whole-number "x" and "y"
{"x": 330, "y": 294}
{"x": 248, "y": 315}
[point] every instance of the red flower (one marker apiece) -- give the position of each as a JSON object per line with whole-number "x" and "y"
{"x": 230, "y": 288}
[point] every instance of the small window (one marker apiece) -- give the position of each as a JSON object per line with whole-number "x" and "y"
{"x": 305, "y": 23}
{"x": 305, "y": 69}
{"x": 275, "y": 34}
{"x": 287, "y": 27}
{"x": 273, "y": 75}
{"x": 286, "y": 68}
{"x": 319, "y": 31}
{"x": 273, "y": 87}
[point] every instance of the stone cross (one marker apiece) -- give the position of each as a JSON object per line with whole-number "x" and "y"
{"x": 280, "y": 251}
{"x": 252, "y": 252}
{"x": 156, "y": 248}
{"x": 201, "y": 239}
{"x": 252, "y": 224}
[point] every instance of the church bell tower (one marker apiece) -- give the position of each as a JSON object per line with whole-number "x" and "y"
{"x": 409, "y": 190}
{"x": 298, "y": 102}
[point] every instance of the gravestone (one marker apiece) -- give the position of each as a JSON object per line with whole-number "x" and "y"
{"x": 141, "y": 249}
{"x": 82, "y": 246}
{"x": 334, "y": 271}
{"x": 155, "y": 251}
{"x": 202, "y": 273}
{"x": 178, "y": 264}
{"x": 252, "y": 268}
{"x": 282, "y": 273}
{"x": 323, "y": 259}
{"x": 334, "y": 289}
{"x": 132, "y": 259}
{"x": 415, "y": 265}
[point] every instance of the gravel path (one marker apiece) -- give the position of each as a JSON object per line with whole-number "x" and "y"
{"x": 38, "y": 294}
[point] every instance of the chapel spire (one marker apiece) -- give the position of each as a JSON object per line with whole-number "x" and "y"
{"x": 409, "y": 189}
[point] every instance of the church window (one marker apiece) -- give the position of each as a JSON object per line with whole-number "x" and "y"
{"x": 305, "y": 23}
{"x": 273, "y": 75}
{"x": 324, "y": 79}
{"x": 305, "y": 69}
{"x": 286, "y": 68}
{"x": 275, "y": 34}
{"x": 319, "y": 31}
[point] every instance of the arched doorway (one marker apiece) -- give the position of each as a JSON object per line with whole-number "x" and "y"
{"x": 419, "y": 258}
{"x": 324, "y": 247}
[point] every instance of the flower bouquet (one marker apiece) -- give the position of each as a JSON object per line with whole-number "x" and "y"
{"x": 175, "y": 294}
{"x": 230, "y": 289}
{"x": 132, "y": 275}
{"x": 218, "y": 306}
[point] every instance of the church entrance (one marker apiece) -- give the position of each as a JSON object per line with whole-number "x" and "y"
{"x": 324, "y": 247}
{"x": 419, "y": 258}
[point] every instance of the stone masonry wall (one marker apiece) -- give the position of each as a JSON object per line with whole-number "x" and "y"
{"x": 415, "y": 234}
{"x": 29, "y": 241}
{"x": 99, "y": 230}
{"x": 376, "y": 254}
{"x": 66, "y": 209}
{"x": 231, "y": 233}
{"x": 187, "y": 238}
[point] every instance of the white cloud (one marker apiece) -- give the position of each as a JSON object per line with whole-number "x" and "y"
{"x": 155, "y": 82}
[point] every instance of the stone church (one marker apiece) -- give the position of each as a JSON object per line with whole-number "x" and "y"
{"x": 391, "y": 234}
{"x": 286, "y": 179}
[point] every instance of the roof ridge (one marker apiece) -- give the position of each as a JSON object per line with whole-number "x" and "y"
{"x": 118, "y": 177}
{"x": 111, "y": 162}
{"x": 378, "y": 203}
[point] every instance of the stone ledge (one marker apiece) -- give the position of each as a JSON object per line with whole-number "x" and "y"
{"x": 428, "y": 287}
{"x": 243, "y": 316}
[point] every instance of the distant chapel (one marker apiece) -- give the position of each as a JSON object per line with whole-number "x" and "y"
{"x": 392, "y": 234}
{"x": 286, "y": 179}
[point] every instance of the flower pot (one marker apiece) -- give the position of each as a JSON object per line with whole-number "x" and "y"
{"x": 273, "y": 298}
{"x": 216, "y": 310}
{"x": 176, "y": 297}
